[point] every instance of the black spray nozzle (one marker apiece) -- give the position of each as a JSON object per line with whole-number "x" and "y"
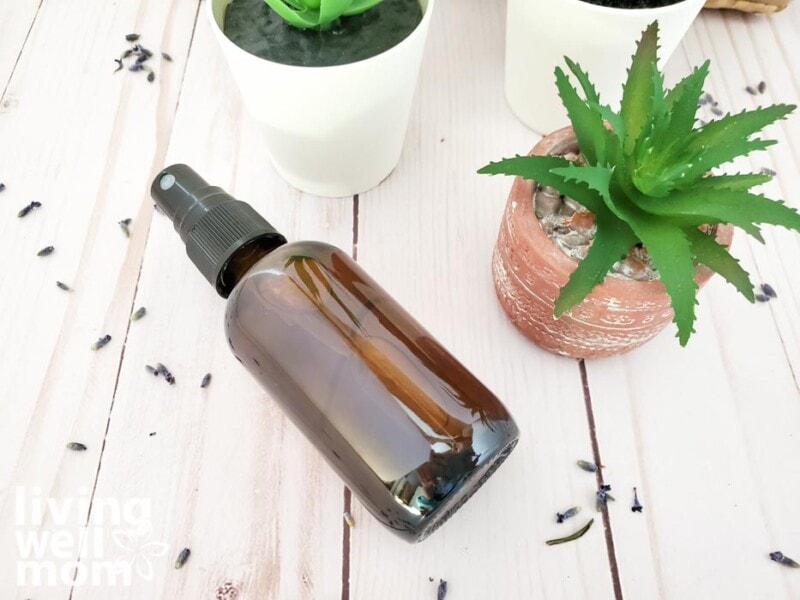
{"x": 213, "y": 223}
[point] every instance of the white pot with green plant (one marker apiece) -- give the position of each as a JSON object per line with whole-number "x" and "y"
{"x": 598, "y": 34}
{"x": 331, "y": 83}
{"x": 613, "y": 224}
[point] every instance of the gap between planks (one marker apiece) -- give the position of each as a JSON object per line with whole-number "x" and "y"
{"x": 21, "y": 49}
{"x": 612, "y": 556}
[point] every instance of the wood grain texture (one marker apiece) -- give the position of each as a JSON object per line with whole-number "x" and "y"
{"x": 16, "y": 19}
{"x": 427, "y": 235}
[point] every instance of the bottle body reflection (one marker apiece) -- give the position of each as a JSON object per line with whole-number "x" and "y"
{"x": 411, "y": 431}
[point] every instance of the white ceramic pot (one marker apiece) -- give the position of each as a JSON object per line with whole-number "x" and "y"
{"x": 331, "y": 131}
{"x": 539, "y": 33}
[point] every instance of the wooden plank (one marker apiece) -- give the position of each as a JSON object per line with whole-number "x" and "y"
{"x": 225, "y": 473}
{"x": 83, "y": 142}
{"x": 427, "y": 235}
{"x": 701, "y": 430}
{"x": 16, "y": 21}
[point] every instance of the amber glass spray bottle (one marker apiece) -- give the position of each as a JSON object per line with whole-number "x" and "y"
{"x": 408, "y": 428}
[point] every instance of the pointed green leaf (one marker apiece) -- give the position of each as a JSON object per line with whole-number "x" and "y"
{"x": 711, "y": 254}
{"x": 612, "y": 240}
{"x": 637, "y": 95}
{"x": 738, "y": 182}
{"x": 682, "y": 100}
{"x": 732, "y": 128}
{"x": 587, "y": 123}
{"x": 593, "y": 98}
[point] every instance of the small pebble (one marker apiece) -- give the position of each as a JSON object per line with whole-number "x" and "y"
{"x": 183, "y": 556}
{"x": 77, "y": 446}
{"x": 206, "y": 380}
{"x": 762, "y": 87}
{"x": 139, "y": 313}
{"x": 46, "y": 251}
{"x": 63, "y": 286}
{"x": 768, "y": 290}
{"x": 132, "y": 37}
{"x": 101, "y": 342}
{"x": 348, "y": 518}
{"x": 441, "y": 592}
{"x": 28, "y": 209}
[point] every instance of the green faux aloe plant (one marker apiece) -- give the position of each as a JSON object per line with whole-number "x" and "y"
{"x": 306, "y": 14}
{"x": 644, "y": 174}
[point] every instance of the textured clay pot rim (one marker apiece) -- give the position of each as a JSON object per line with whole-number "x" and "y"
{"x": 522, "y": 192}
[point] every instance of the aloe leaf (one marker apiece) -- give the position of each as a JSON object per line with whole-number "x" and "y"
{"x": 681, "y": 101}
{"x": 711, "y": 254}
{"x": 540, "y": 169}
{"x": 593, "y": 98}
{"x": 738, "y": 182}
{"x": 359, "y": 6}
{"x": 304, "y": 19}
{"x": 637, "y": 95}
{"x": 587, "y": 123}
{"x": 612, "y": 240}
{"x": 732, "y": 128}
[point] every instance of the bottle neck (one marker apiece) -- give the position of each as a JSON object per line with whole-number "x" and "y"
{"x": 243, "y": 258}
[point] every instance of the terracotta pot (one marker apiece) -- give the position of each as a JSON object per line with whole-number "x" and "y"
{"x": 529, "y": 271}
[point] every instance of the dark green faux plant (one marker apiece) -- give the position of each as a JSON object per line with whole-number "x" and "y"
{"x": 306, "y": 14}
{"x": 644, "y": 174}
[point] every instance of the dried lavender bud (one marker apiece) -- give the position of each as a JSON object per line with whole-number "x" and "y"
{"x": 717, "y": 111}
{"x": 125, "y": 226}
{"x": 141, "y": 58}
{"x": 142, "y": 51}
{"x": 166, "y": 57}
{"x": 166, "y": 373}
{"x": 157, "y": 208}
{"x": 151, "y": 77}
{"x": 2, "y": 186}
{"x": 762, "y": 87}
{"x": 567, "y": 514}
{"x": 101, "y": 342}
{"x": 441, "y": 591}
{"x": 603, "y": 497}
{"x": 28, "y": 209}
{"x": 46, "y": 251}
{"x": 762, "y": 298}
{"x": 587, "y": 466}
{"x": 206, "y": 380}
{"x": 127, "y": 53}
{"x": 572, "y": 537}
{"x": 151, "y": 370}
{"x": 152, "y": 433}
{"x": 751, "y": 90}
{"x": 132, "y": 37}
{"x": 119, "y": 65}
{"x": 636, "y": 507}
{"x": 140, "y": 312}
{"x": 63, "y": 286}
{"x": 136, "y": 67}
{"x": 768, "y": 171}
{"x": 708, "y": 98}
{"x": 702, "y": 101}
{"x": 77, "y": 446}
{"x": 779, "y": 557}
{"x": 768, "y": 290}
{"x": 183, "y": 556}
{"x": 348, "y": 518}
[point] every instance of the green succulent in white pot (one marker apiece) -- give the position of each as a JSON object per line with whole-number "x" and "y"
{"x": 329, "y": 82}
{"x": 640, "y": 180}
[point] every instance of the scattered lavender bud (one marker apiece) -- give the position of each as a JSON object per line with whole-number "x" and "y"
{"x": 28, "y": 209}
{"x": 587, "y": 466}
{"x": 162, "y": 370}
{"x": 157, "y": 209}
{"x": 151, "y": 77}
{"x": 136, "y": 67}
{"x": 717, "y": 111}
{"x": 140, "y": 312}
{"x": 2, "y": 186}
{"x": 441, "y": 591}
{"x": 132, "y": 37}
{"x": 125, "y": 226}
{"x": 567, "y": 514}
{"x": 768, "y": 171}
{"x": 127, "y": 53}
{"x": 603, "y": 497}
{"x": 119, "y": 65}
{"x": 206, "y": 380}
{"x": 761, "y": 298}
{"x": 141, "y": 58}
{"x": 779, "y": 557}
{"x": 101, "y": 342}
{"x": 637, "y": 506}
{"x": 348, "y": 518}
{"x": 751, "y": 90}
{"x": 46, "y": 251}
{"x": 152, "y": 433}
{"x": 183, "y": 556}
{"x": 762, "y": 87}
{"x": 166, "y": 57}
{"x": 63, "y": 286}
{"x": 151, "y": 370}
{"x": 76, "y": 446}
{"x": 768, "y": 290}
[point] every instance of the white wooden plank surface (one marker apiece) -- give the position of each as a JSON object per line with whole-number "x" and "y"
{"x": 707, "y": 433}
